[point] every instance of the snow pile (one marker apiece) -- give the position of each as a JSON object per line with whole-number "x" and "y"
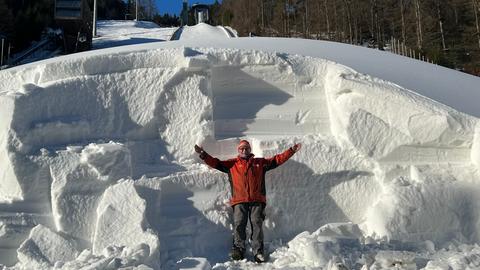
{"x": 45, "y": 248}
{"x": 102, "y": 144}
{"x": 319, "y": 248}
{"x": 123, "y": 223}
{"x": 79, "y": 181}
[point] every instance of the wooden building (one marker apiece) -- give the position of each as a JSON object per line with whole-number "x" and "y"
{"x": 75, "y": 18}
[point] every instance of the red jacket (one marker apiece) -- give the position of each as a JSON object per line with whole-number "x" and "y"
{"x": 247, "y": 176}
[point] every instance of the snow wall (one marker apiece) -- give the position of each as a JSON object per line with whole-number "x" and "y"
{"x": 96, "y": 155}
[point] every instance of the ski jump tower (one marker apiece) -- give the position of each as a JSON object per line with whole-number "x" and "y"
{"x": 201, "y": 13}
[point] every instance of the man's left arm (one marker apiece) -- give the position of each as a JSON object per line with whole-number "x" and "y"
{"x": 279, "y": 159}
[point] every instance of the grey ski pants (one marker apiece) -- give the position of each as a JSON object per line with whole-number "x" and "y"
{"x": 242, "y": 212}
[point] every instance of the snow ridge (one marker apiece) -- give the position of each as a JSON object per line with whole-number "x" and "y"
{"x": 104, "y": 144}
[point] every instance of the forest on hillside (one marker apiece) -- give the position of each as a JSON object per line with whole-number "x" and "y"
{"x": 446, "y": 31}
{"x": 25, "y": 21}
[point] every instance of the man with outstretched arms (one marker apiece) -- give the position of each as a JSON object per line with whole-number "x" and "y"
{"x": 247, "y": 180}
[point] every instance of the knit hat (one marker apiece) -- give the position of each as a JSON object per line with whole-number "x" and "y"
{"x": 243, "y": 143}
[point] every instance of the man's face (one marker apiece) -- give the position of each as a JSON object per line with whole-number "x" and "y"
{"x": 244, "y": 151}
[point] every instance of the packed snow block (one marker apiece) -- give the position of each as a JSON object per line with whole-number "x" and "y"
{"x": 378, "y": 117}
{"x": 322, "y": 183}
{"x": 39, "y": 118}
{"x": 110, "y": 161}
{"x": 439, "y": 192}
{"x": 33, "y": 173}
{"x": 79, "y": 179}
{"x": 11, "y": 237}
{"x": 423, "y": 202}
{"x": 186, "y": 209}
{"x": 311, "y": 251}
{"x": 372, "y": 136}
{"x": 69, "y": 68}
{"x": 51, "y": 105}
{"x": 121, "y": 221}
{"x": 9, "y": 186}
{"x": 324, "y": 246}
{"x": 26, "y": 178}
{"x": 175, "y": 114}
{"x": 15, "y": 229}
{"x": 263, "y": 94}
{"x": 111, "y": 63}
{"x": 44, "y": 248}
{"x": 48, "y": 115}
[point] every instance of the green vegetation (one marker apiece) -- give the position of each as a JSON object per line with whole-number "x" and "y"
{"x": 446, "y": 32}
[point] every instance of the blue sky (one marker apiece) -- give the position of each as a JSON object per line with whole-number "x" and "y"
{"x": 175, "y": 6}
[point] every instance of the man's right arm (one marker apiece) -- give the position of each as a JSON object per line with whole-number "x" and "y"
{"x": 223, "y": 166}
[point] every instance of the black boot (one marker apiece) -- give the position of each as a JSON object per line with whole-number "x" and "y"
{"x": 237, "y": 254}
{"x": 259, "y": 258}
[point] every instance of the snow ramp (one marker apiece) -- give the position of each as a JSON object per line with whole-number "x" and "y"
{"x": 204, "y": 31}
{"x": 102, "y": 145}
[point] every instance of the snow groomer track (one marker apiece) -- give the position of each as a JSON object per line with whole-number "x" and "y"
{"x": 202, "y": 31}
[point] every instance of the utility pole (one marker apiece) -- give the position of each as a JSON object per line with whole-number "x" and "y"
{"x": 1, "y": 60}
{"x": 94, "y": 33}
{"x": 136, "y": 10}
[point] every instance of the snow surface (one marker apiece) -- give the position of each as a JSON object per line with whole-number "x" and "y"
{"x": 98, "y": 169}
{"x": 113, "y": 33}
{"x": 202, "y": 30}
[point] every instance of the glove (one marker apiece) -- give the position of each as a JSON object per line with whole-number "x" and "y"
{"x": 296, "y": 147}
{"x": 198, "y": 149}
